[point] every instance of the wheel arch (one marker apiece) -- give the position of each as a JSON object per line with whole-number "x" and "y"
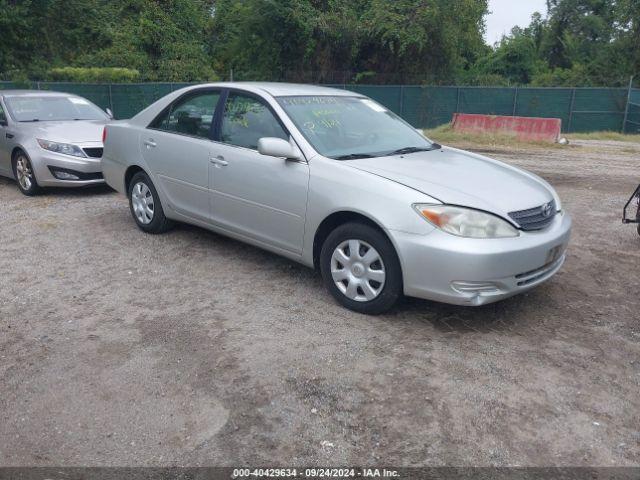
{"x": 129, "y": 173}
{"x": 19, "y": 148}
{"x": 333, "y": 221}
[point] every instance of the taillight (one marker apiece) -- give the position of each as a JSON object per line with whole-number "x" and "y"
{"x": 104, "y": 134}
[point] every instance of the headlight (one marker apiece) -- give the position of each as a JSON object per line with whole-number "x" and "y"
{"x": 466, "y": 222}
{"x": 64, "y": 148}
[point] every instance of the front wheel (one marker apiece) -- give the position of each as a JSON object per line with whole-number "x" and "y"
{"x": 145, "y": 205}
{"x": 360, "y": 268}
{"x": 23, "y": 173}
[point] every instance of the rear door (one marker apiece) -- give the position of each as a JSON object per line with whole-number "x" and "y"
{"x": 258, "y": 196}
{"x": 177, "y": 148}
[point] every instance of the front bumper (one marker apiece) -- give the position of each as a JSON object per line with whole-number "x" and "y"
{"x": 465, "y": 271}
{"x": 45, "y": 163}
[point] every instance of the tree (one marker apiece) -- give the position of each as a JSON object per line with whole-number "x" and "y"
{"x": 281, "y": 38}
{"x": 163, "y": 39}
{"x": 580, "y": 43}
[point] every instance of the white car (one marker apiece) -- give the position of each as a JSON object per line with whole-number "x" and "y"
{"x": 50, "y": 139}
{"x": 336, "y": 181}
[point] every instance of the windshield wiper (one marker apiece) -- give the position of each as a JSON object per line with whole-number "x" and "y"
{"x": 402, "y": 151}
{"x": 354, "y": 156}
{"x": 30, "y": 121}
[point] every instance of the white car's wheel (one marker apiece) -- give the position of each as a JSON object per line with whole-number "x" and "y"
{"x": 361, "y": 269}
{"x": 145, "y": 205}
{"x": 24, "y": 175}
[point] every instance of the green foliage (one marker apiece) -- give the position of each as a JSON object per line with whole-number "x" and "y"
{"x": 93, "y": 75}
{"x": 162, "y": 39}
{"x": 578, "y": 42}
{"x": 395, "y": 39}
{"x": 514, "y": 59}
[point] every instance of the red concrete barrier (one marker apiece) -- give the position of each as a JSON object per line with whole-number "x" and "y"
{"x": 524, "y": 128}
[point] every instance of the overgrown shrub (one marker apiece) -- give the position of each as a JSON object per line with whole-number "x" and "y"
{"x": 93, "y": 75}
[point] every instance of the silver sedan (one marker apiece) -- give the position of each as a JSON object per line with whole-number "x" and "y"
{"x": 50, "y": 139}
{"x": 336, "y": 181}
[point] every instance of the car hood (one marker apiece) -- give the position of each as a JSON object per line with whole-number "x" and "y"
{"x": 78, "y": 131}
{"x": 462, "y": 178}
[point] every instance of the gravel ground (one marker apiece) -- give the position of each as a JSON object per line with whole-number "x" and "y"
{"x": 119, "y": 349}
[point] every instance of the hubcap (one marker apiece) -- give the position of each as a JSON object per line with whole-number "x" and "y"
{"x": 24, "y": 173}
{"x": 357, "y": 270}
{"x": 142, "y": 201}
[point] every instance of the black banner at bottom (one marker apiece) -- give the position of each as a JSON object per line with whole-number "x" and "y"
{"x": 223, "y": 473}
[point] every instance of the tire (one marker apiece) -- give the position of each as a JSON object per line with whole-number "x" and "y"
{"x": 24, "y": 174}
{"x": 145, "y": 205}
{"x": 357, "y": 282}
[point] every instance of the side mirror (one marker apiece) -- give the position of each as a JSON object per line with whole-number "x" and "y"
{"x": 277, "y": 147}
{"x": 110, "y": 113}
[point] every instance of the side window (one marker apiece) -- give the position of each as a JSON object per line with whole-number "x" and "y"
{"x": 3, "y": 117}
{"x": 246, "y": 120}
{"x": 191, "y": 116}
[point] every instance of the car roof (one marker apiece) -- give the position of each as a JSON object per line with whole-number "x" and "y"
{"x": 277, "y": 89}
{"x": 34, "y": 93}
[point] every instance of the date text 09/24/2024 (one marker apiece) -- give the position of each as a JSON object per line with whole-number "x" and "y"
{"x": 314, "y": 473}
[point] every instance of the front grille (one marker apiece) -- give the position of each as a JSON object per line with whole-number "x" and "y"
{"x": 93, "y": 152}
{"x": 535, "y": 218}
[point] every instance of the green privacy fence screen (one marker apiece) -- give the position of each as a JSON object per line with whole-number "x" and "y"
{"x": 581, "y": 109}
{"x": 632, "y": 118}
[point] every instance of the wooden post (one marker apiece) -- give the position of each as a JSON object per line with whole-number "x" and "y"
{"x": 515, "y": 102}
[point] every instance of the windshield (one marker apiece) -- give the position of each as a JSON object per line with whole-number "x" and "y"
{"x": 50, "y": 108}
{"x": 352, "y": 127}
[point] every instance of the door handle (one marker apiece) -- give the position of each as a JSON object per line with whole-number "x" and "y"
{"x": 9, "y": 135}
{"x": 219, "y": 160}
{"x": 150, "y": 143}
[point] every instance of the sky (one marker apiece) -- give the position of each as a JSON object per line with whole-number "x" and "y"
{"x": 506, "y": 14}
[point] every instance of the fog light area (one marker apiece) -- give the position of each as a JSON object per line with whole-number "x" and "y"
{"x": 475, "y": 287}
{"x": 63, "y": 174}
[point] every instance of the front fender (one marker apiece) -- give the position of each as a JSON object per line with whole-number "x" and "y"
{"x": 335, "y": 187}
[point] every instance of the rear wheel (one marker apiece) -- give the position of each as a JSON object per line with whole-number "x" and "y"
{"x": 24, "y": 175}
{"x": 361, "y": 269}
{"x": 145, "y": 205}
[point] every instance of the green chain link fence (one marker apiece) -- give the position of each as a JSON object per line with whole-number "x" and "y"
{"x": 581, "y": 109}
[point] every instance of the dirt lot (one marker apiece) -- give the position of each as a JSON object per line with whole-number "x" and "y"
{"x": 118, "y": 348}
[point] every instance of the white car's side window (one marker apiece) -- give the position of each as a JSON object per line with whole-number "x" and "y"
{"x": 246, "y": 120}
{"x": 3, "y": 116}
{"x": 192, "y": 116}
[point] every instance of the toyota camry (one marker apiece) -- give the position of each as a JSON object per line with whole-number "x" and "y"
{"x": 336, "y": 181}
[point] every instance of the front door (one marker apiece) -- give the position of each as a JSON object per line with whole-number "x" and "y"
{"x": 5, "y": 147}
{"x": 261, "y": 197}
{"x": 177, "y": 149}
